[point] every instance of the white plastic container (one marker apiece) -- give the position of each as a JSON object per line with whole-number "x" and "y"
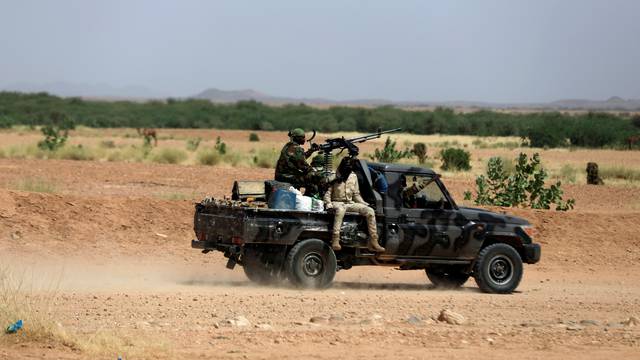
{"x": 303, "y": 203}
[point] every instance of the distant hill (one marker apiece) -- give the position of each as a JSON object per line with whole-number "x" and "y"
{"x": 613, "y": 103}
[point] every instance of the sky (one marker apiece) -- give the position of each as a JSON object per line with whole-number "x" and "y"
{"x": 474, "y": 50}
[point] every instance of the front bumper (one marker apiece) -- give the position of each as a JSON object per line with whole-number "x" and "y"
{"x": 531, "y": 253}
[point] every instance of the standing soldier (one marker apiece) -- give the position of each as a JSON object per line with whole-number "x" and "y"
{"x": 344, "y": 195}
{"x": 292, "y": 165}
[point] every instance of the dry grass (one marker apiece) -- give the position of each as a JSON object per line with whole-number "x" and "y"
{"x": 619, "y": 173}
{"x": 37, "y": 310}
{"x": 168, "y": 156}
{"x": 266, "y": 158}
{"x": 34, "y": 185}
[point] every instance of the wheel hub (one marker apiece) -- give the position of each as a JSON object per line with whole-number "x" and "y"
{"x": 500, "y": 269}
{"x": 312, "y": 264}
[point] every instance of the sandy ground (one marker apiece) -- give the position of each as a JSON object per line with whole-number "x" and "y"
{"x": 118, "y": 255}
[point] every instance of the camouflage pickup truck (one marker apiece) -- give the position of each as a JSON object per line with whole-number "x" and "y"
{"x": 419, "y": 224}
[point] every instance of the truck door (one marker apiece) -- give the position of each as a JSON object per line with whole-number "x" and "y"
{"x": 429, "y": 225}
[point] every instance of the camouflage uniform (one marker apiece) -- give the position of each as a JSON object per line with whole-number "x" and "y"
{"x": 292, "y": 167}
{"x": 343, "y": 197}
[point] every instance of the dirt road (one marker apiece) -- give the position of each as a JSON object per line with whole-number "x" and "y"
{"x": 118, "y": 255}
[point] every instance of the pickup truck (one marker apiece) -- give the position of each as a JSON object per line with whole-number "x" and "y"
{"x": 419, "y": 224}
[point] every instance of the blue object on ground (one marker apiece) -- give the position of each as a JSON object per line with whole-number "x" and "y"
{"x": 283, "y": 200}
{"x": 13, "y": 328}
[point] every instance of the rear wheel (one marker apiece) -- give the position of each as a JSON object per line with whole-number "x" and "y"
{"x": 498, "y": 269}
{"x": 311, "y": 263}
{"x": 448, "y": 277}
{"x": 261, "y": 268}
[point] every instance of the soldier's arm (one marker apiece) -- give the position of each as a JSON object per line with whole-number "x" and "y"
{"x": 300, "y": 160}
{"x": 357, "y": 198}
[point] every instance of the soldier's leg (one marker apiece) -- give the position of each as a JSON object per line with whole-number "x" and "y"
{"x": 339, "y": 210}
{"x": 370, "y": 215}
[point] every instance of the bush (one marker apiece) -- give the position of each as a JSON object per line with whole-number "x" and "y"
{"x": 55, "y": 132}
{"x": 209, "y": 157}
{"x": 2, "y": 154}
{"x": 193, "y": 144}
{"x": 635, "y": 121}
{"x": 420, "y": 150}
{"x": 455, "y": 159}
{"x": 389, "y": 154}
{"x": 254, "y": 137}
{"x": 525, "y": 187}
{"x": 220, "y": 146}
{"x": 169, "y": 156}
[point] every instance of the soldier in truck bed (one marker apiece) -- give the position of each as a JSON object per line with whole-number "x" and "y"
{"x": 292, "y": 166}
{"x": 344, "y": 195}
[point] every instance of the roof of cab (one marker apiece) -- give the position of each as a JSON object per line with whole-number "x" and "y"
{"x": 400, "y": 168}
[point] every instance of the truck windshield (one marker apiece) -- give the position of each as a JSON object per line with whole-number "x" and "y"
{"x": 422, "y": 192}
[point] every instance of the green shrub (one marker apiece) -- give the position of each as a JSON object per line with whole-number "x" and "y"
{"x": 389, "y": 154}
{"x": 455, "y": 159}
{"x": 193, "y": 144}
{"x": 525, "y": 187}
{"x": 254, "y": 137}
{"x": 635, "y": 120}
{"x": 209, "y": 157}
{"x": 169, "y": 156}
{"x": 55, "y": 132}
{"x": 220, "y": 146}
{"x": 420, "y": 151}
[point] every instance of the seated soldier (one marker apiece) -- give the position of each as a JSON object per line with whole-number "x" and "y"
{"x": 344, "y": 195}
{"x": 292, "y": 165}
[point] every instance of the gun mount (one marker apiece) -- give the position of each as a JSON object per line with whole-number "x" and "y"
{"x": 349, "y": 144}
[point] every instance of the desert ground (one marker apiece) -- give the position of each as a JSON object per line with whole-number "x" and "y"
{"x": 101, "y": 252}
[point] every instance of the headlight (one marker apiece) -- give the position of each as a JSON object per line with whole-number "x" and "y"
{"x": 529, "y": 230}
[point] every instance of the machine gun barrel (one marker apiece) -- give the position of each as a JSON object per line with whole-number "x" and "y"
{"x": 349, "y": 144}
{"x": 375, "y": 135}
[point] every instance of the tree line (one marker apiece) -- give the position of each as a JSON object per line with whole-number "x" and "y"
{"x": 551, "y": 129}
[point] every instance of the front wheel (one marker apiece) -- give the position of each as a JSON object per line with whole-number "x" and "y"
{"x": 447, "y": 277}
{"x": 498, "y": 269}
{"x": 311, "y": 263}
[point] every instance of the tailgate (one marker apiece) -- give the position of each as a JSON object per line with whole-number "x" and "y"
{"x": 216, "y": 224}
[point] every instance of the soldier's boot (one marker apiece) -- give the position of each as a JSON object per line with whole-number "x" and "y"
{"x": 374, "y": 245}
{"x": 335, "y": 244}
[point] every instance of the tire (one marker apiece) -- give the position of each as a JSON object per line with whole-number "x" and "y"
{"x": 447, "y": 277}
{"x": 498, "y": 269}
{"x": 312, "y": 264}
{"x": 261, "y": 268}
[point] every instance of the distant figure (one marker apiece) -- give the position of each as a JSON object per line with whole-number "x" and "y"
{"x": 148, "y": 134}
{"x": 592, "y": 174}
{"x": 632, "y": 140}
